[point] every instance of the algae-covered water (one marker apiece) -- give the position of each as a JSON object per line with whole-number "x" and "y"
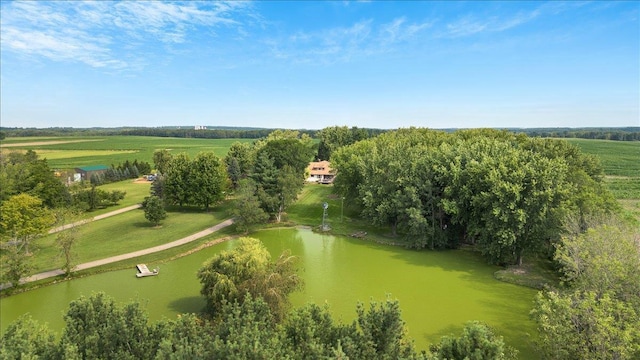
{"x": 438, "y": 291}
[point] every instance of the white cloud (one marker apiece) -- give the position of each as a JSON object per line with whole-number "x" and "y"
{"x": 474, "y": 24}
{"x": 96, "y": 32}
{"x": 344, "y": 43}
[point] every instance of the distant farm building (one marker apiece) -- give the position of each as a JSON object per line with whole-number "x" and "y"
{"x": 87, "y": 171}
{"x": 320, "y": 172}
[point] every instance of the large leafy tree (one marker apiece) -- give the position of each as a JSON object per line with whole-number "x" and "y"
{"x": 246, "y": 209}
{"x": 99, "y": 328}
{"x": 201, "y": 181}
{"x": 505, "y": 193}
{"x": 25, "y": 173}
{"x": 23, "y": 218}
{"x": 582, "y": 324}
{"x": 161, "y": 160}
{"x": 26, "y": 339}
{"x": 239, "y": 160}
{"x": 178, "y": 184}
{"x": 477, "y": 342}
{"x": 597, "y": 316}
{"x": 277, "y": 188}
{"x": 248, "y": 269}
{"x": 208, "y": 179}
{"x": 335, "y": 137}
{"x": 154, "y": 210}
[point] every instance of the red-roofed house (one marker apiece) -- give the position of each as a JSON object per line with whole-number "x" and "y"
{"x": 320, "y": 172}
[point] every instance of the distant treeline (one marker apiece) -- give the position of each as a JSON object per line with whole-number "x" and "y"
{"x": 619, "y": 134}
{"x": 604, "y": 133}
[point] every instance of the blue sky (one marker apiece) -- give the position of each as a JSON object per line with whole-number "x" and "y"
{"x": 376, "y": 64}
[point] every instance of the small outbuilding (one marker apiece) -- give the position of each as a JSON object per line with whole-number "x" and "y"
{"x": 320, "y": 172}
{"x": 86, "y": 172}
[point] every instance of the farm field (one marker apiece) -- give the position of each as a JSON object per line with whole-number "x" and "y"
{"x": 72, "y": 152}
{"x": 621, "y": 163}
{"x": 618, "y": 158}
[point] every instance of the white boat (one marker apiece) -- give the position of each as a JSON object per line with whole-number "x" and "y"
{"x": 144, "y": 271}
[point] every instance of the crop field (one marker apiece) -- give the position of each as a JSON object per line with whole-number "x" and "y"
{"x": 72, "y": 152}
{"x": 618, "y": 158}
{"x": 621, "y": 163}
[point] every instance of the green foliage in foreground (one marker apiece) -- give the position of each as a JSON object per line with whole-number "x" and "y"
{"x": 98, "y": 328}
{"x": 598, "y": 315}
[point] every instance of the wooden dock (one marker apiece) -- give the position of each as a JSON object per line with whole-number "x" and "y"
{"x": 143, "y": 271}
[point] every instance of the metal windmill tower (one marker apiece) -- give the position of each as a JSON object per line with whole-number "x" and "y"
{"x": 325, "y": 226}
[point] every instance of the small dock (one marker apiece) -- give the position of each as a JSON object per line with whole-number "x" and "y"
{"x": 143, "y": 271}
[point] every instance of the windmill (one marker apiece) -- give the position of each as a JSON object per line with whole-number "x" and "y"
{"x": 325, "y": 226}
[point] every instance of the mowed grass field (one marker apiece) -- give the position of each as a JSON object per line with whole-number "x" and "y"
{"x": 71, "y": 152}
{"x": 125, "y": 233}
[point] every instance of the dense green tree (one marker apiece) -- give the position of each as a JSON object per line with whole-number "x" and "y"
{"x": 208, "y": 179}
{"x": 288, "y": 152}
{"x": 239, "y": 160}
{"x": 25, "y": 173}
{"x": 382, "y": 327}
{"x": 178, "y": 187}
{"x": 335, "y": 137}
{"x": 22, "y": 219}
{"x": 507, "y": 194}
{"x": 154, "y": 210}
{"x": 477, "y": 342}
{"x": 246, "y": 210}
{"x": 582, "y": 324}
{"x": 604, "y": 259}
{"x": 598, "y": 315}
{"x": 16, "y": 264}
{"x": 26, "y": 339}
{"x": 234, "y": 172}
{"x": 187, "y": 337}
{"x": 161, "y": 160}
{"x": 248, "y": 269}
{"x": 93, "y": 197}
{"x": 101, "y": 329}
{"x": 247, "y": 330}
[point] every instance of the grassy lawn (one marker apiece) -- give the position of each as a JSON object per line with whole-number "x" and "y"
{"x": 342, "y": 217}
{"x": 125, "y": 233}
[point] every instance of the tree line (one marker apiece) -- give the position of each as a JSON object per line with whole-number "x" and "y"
{"x": 505, "y": 193}
{"x": 32, "y": 200}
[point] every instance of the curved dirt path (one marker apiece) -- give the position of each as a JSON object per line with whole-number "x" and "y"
{"x": 109, "y": 260}
{"x": 99, "y": 217}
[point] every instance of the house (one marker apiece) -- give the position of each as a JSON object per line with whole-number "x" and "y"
{"x": 87, "y": 171}
{"x": 320, "y": 172}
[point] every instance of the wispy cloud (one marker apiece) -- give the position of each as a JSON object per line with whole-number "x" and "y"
{"x": 344, "y": 43}
{"x": 473, "y": 24}
{"x": 94, "y": 33}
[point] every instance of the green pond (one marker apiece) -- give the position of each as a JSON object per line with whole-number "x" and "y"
{"x": 438, "y": 291}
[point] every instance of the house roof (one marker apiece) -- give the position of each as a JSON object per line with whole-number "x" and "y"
{"x": 320, "y": 168}
{"x": 93, "y": 168}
